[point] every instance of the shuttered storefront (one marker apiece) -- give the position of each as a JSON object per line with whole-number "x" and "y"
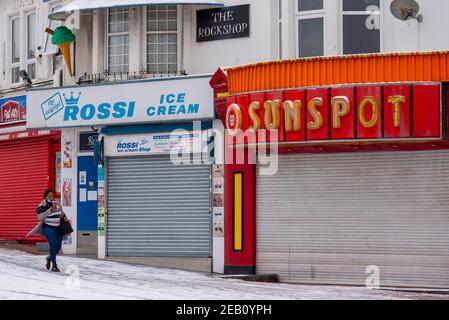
{"x": 157, "y": 209}
{"x": 324, "y": 218}
{"x": 24, "y": 175}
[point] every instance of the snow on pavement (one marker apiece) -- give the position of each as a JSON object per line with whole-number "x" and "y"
{"x": 23, "y": 276}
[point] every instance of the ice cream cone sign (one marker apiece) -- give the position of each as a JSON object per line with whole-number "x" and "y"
{"x": 63, "y": 38}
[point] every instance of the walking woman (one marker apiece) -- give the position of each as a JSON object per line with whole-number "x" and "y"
{"x": 49, "y": 214}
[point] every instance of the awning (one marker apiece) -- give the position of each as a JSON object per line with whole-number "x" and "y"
{"x": 88, "y": 5}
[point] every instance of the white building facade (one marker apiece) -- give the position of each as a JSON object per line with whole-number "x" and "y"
{"x": 144, "y": 43}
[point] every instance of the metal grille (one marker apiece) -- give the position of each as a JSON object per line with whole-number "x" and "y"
{"x": 323, "y": 219}
{"x": 157, "y": 209}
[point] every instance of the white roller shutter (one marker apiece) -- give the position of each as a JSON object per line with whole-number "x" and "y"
{"x": 324, "y": 218}
{"x": 157, "y": 209}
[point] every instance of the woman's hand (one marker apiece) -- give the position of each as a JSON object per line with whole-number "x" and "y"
{"x": 62, "y": 215}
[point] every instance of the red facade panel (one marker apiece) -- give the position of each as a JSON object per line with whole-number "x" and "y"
{"x": 374, "y": 129}
{"x": 243, "y": 102}
{"x": 397, "y": 97}
{"x": 301, "y": 96}
{"x": 323, "y": 111}
{"x": 346, "y": 129}
{"x": 426, "y": 110}
{"x": 278, "y": 96}
{"x": 260, "y": 98}
{"x": 24, "y": 175}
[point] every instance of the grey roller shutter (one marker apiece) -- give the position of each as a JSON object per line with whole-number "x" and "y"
{"x": 157, "y": 209}
{"x": 324, "y": 218}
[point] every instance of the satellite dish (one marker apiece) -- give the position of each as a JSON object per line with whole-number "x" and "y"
{"x": 405, "y": 10}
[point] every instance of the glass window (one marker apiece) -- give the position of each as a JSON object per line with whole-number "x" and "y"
{"x": 31, "y": 45}
{"x": 357, "y": 37}
{"x": 31, "y": 33}
{"x": 307, "y": 5}
{"x": 52, "y": 24}
{"x": 359, "y": 5}
{"x": 162, "y": 39}
{"x": 31, "y": 70}
{"x": 15, "y": 45}
{"x": 311, "y": 42}
{"x": 361, "y": 26}
{"x": 15, "y": 75}
{"x": 118, "y": 40}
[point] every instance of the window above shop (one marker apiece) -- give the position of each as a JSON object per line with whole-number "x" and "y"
{"x": 162, "y": 39}
{"x": 15, "y": 50}
{"x": 118, "y": 40}
{"x": 333, "y": 27}
{"x": 310, "y": 28}
{"x": 361, "y": 25}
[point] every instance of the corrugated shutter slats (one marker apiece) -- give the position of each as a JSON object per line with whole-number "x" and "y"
{"x": 24, "y": 169}
{"x": 157, "y": 209}
{"x": 325, "y": 218}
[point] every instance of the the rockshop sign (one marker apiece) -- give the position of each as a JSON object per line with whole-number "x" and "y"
{"x": 223, "y": 23}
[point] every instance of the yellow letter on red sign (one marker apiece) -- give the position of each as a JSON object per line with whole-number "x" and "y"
{"x": 253, "y": 107}
{"x": 396, "y": 101}
{"x": 317, "y": 116}
{"x": 272, "y": 114}
{"x": 375, "y": 117}
{"x": 340, "y": 108}
{"x": 292, "y": 115}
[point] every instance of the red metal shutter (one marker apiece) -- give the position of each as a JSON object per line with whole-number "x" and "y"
{"x": 24, "y": 175}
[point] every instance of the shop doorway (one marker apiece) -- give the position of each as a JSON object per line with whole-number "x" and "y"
{"x": 87, "y": 205}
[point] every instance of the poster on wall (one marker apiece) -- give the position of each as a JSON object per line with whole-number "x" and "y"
{"x": 217, "y": 185}
{"x": 101, "y": 204}
{"x": 218, "y": 200}
{"x": 67, "y": 150}
{"x": 218, "y": 230}
{"x": 217, "y": 171}
{"x": 67, "y": 192}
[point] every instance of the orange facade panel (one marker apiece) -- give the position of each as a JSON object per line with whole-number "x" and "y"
{"x": 351, "y": 69}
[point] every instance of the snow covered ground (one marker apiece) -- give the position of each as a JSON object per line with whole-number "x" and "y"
{"x": 23, "y": 276}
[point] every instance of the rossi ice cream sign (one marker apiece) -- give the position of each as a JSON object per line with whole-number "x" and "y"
{"x": 161, "y": 143}
{"x": 166, "y": 100}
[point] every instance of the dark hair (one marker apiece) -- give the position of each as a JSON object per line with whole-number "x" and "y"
{"x": 46, "y": 192}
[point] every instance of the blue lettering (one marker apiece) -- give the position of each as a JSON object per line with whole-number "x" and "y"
{"x": 182, "y": 109}
{"x": 132, "y": 104}
{"x": 104, "y": 111}
{"x": 181, "y": 98}
{"x": 172, "y": 110}
{"x": 119, "y": 110}
{"x": 161, "y": 111}
{"x": 87, "y": 112}
{"x": 70, "y": 113}
{"x": 151, "y": 111}
{"x": 194, "y": 108}
{"x": 171, "y": 98}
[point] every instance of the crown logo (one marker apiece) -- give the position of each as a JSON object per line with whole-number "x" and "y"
{"x": 72, "y": 100}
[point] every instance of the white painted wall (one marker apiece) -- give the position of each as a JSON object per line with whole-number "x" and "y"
{"x": 206, "y": 57}
{"x": 396, "y": 35}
